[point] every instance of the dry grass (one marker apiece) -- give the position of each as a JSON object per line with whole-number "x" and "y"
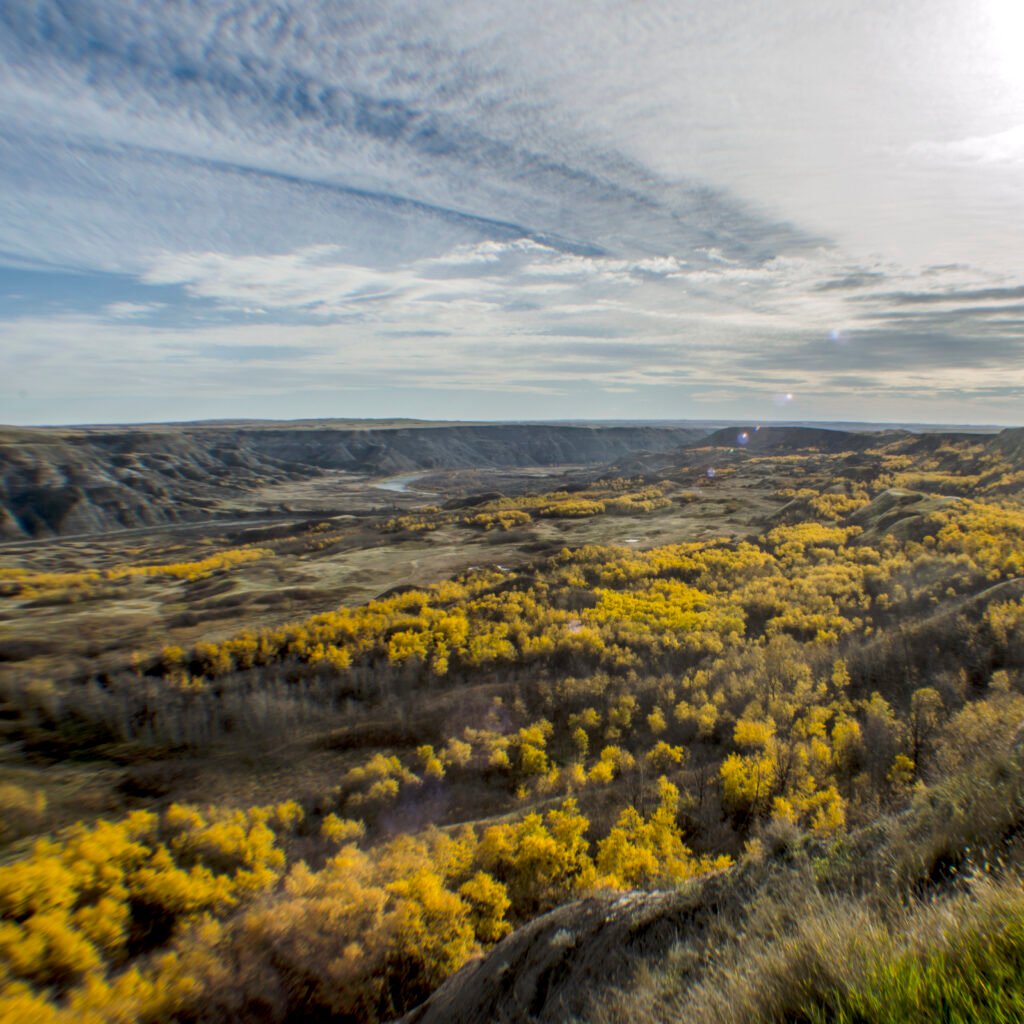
{"x": 799, "y": 954}
{"x": 957, "y": 958}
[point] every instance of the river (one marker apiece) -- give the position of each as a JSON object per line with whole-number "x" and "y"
{"x": 401, "y": 484}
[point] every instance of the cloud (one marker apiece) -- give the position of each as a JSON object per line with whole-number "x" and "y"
{"x": 133, "y": 310}
{"x": 851, "y": 281}
{"x": 952, "y": 296}
{"x": 319, "y": 281}
{"x": 242, "y": 353}
{"x": 1005, "y": 147}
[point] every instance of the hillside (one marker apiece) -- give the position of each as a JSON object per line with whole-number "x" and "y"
{"x": 790, "y": 439}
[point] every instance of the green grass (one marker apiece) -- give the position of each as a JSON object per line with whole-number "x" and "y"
{"x": 977, "y": 974}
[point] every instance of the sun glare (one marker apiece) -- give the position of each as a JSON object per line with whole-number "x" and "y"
{"x": 1006, "y": 24}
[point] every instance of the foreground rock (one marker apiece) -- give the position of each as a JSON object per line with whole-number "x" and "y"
{"x": 557, "y": 967}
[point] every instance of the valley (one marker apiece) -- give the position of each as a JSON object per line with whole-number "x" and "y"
{"x": 477, "y": 675}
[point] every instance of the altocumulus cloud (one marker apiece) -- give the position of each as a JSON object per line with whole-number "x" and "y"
{"x": 486, "y": 210}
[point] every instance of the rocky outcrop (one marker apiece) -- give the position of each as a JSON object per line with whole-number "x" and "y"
{"x": 61, "y": 483}
{"x": 556, "y": 968}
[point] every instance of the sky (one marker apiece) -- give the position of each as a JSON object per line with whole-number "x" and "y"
{"x": 547, "y": 209}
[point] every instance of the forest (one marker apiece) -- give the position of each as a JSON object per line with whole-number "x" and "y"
{"x": 820, "y": 711}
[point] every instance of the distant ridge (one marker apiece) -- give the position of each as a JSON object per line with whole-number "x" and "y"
{"x": 775, "y": 439}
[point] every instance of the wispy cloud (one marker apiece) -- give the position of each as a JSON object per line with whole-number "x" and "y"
{"x": 1005, "y": 147}
{"x": 133, "y": 310}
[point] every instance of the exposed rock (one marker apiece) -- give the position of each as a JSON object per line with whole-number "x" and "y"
{"x": 1009, "y": 443}
{"x": 556, "y": 967}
